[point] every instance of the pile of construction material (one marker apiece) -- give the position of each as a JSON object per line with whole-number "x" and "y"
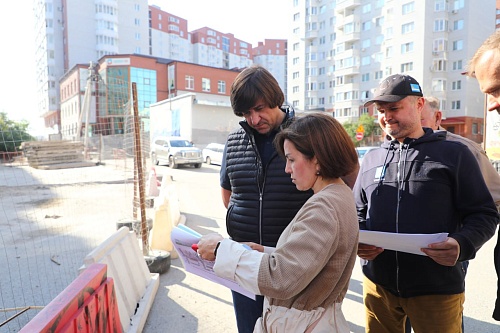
{"x": 60, "y": 154}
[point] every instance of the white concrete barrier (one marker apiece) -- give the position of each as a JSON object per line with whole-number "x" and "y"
{"x": 167, "y": 215}
{"x": 135, "y": 286}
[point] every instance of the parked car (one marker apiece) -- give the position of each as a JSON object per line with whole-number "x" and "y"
{"x": 175, "y": 151}
{"x": 362, "y": 151}
{"x": 212, "y": 154}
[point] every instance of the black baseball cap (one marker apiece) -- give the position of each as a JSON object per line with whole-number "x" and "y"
{"x": 396, "y": 87}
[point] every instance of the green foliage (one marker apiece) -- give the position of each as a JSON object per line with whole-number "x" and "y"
{"x": 12, "y": 133}
{"x": 369, "y": 126}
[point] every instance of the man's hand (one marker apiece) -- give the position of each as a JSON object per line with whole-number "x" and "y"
{"x": 368, "y": 252}
{"x": 444, "y": 253}
{"x": 254, "y": 246}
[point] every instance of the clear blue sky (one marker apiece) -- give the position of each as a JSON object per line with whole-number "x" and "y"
{"x": 249, "y": 21}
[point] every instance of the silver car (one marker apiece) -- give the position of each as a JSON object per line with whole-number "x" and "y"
{"x": 175, "y": 151}
{"x": 212, "y": 154}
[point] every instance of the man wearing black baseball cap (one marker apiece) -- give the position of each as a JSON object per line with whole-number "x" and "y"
{"x": 395, "y": 88}
{"x": 418, "y": 183}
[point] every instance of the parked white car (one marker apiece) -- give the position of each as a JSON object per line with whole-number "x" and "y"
{"x": 212, "y": 154}
{"x": 175, "y": 151}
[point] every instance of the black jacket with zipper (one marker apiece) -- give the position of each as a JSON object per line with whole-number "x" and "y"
{"x": 263, "y": 200}
{"x": 425, "y": 185}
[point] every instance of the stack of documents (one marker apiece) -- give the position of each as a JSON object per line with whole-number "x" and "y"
{"x": 410, "y": 243}
{"x": 183, "y": 238}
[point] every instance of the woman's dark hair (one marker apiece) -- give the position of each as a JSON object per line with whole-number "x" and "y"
{"x": 251, "y": 85}
{"x": 322, "y": 136}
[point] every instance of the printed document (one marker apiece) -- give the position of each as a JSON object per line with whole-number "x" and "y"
{"x": 410, "y": 243}
{"x": 182, "y": 239}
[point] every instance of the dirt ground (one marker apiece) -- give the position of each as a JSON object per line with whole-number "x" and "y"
{"x": 49, "y": 221}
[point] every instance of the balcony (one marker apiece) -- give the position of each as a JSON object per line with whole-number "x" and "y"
{"x": 347, "y": 71}
{"x": 350, "y": 37}
{"x": 349, "y": 53}
{"x": 343, "y": 5}
{"x": 310, "y": 35}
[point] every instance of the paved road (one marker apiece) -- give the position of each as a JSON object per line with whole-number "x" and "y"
{"x": 187, "y": 303}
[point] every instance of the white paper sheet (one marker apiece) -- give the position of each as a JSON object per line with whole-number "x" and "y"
{"x": 410, "y": 243}
{"x": 182, "y": 239}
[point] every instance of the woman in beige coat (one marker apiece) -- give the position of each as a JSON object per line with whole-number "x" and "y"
{"x": 305, "y": 278}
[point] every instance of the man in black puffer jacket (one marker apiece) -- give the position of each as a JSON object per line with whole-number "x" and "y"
{"x": 260, "y": 197}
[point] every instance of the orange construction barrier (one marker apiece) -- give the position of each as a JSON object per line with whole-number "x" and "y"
{"x": 88, "y": 304}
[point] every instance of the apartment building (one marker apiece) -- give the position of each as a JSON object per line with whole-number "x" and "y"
{"x": 340, "y": 50}
{"x": 271, "y": 54}
{"x": 72, "y": 32}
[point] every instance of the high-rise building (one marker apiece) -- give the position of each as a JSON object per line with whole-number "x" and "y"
{"x": 271, "y": 54}
{"x": 74, "y": 32}
{"x": 340, "y": 50}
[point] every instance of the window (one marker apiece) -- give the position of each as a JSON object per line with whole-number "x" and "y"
{"x": 378, "y": 75}
{"x": 457, "y": 65}
{"x": 296, "y": 46}
{"x": 379, "y": 21}
{"x": 440, "y": 25}
{"x": 189, "y": 82}
{"x": 406, "y": 67}
{"x": 366, "y": 8}
{"x": 365, "y": 26}
{"x": 205, "y": 84}
{"x": 407, "y": 47}
{"x": 455, "y": 105}
{"x": 221, "y": 87}
{"x": 458, "y": 4}
{"x": 388, "y": 52}
{"x": 408, "y": 8}
{"x": 439, "y": 45}
{"x": 348, "y": 28}
{"x": 440, "y": 5}
{"x": 365, "y": 44}
{"x": 458, "y": 45}
{"x": 438, "y": 85}
{"x": 295, "y": 60}
{"x": 474, "y": 128}
{"x": 365, "y": 94}
{"x": 458, "y": 25}
{"x": 295, "y": 89}
{"x": 439, "y": 65}
{"x": 296, "y": 16}
{"x": 295, "y": 75}
{"x": 365, "y": 77}
{"x": 407, "y": 28}
{"x": 456, "y": 85}
{"x": 365, "y": 60}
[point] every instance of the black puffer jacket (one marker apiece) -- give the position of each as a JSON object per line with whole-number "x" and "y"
{"x": 263, "y": 201}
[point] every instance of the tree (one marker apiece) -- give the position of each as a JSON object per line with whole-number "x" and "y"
{"x": 12, "y": 133}
{"x": 369, "y": 127}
